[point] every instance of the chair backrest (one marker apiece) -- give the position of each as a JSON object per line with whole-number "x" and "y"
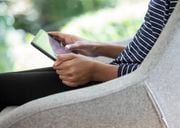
{"x": 162, "y": 68}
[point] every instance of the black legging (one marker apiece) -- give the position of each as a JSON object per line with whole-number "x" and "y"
{"x": 18, "y": 88}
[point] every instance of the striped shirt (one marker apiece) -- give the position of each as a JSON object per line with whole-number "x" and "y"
{"x": 155, "y": 20}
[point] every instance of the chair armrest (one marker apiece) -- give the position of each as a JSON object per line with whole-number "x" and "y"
{"x": 117, "y": 103}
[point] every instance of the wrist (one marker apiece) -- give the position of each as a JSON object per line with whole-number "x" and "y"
{"x": 96, "y": 49}
{"x": 99, "y": 48}
{"x": 104, "y": 72}
{"x": 108, "y": 50}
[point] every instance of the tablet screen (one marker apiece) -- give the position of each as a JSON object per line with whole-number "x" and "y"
{"x": 48, "y": 45}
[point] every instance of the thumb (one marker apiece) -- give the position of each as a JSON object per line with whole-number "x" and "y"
{"x": 57, "y": 35}
{"x": 75, "y": 46}
{"x": 66, "y": 57}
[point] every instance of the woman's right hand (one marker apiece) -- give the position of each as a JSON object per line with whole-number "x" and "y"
{"x": 76, "y": 44}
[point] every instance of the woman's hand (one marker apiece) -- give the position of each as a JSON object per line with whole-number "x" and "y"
{"x": 74, "y": 69}
{"x": 88, "y": 48}
{"x": 76, "y": 44}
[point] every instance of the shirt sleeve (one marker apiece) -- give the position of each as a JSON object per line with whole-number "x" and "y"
{"x": 155, "y": 19}
{"x": 127, "y": 68}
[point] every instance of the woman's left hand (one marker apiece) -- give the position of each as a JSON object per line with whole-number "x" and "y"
{"x": 74, "y": 69}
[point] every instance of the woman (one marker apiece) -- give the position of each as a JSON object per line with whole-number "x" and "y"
{"x": 71, "y": 71}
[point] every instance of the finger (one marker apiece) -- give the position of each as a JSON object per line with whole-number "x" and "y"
{"x": 66, "y": 38}
{"x": 66, "y": 57}
{"x": 58, "y": 35}
{"x": 81, "y": 51}
{"x": 58, "y": 72}
{"x": 57, "y": 63}
{"x": 70, "y": 84}
{"x": 63, "y": 73}
{"x": 65, "y": 66}
{"x": 63, "y": 78}
{"x": 59, "y": 67}
{"x": 72, "y": 47}
{"x": 62, "y": 58}
{"x": 76, "y": 45}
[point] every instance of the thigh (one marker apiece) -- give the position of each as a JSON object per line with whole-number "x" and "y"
{"x": 20, "y": 87}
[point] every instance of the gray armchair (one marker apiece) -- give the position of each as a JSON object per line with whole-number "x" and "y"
{"x": 146, "y": 98}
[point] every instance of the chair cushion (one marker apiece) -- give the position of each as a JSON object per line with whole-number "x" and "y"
{"x": 7, "y": 110}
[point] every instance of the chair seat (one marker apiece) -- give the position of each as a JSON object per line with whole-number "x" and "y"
{"x": 7, "y": 110}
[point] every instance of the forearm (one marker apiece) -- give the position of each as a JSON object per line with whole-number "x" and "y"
{"x": 109, "y": 50}
{"x": 104, "y": 72}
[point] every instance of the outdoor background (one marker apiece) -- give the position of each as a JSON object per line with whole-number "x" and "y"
{"x": 102, "y": 20}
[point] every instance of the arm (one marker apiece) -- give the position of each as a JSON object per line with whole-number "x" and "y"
{"x": 109, "y": 50}
{"x": 104, "y": 72}
{"x": 146, "y": 36}
{"x": 86, "y": 47}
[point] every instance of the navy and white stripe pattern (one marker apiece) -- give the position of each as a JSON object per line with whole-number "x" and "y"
{"x": 155, "y": 19}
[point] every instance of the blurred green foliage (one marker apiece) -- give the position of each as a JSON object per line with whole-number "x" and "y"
{"x": 54, "y": 15}
{"x": 113, "y": 31}
{"x": 6, "y": 23}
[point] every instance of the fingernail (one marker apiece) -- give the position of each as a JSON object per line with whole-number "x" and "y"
{"x": 55, "y": 64}
{"x": 67, "y": 47}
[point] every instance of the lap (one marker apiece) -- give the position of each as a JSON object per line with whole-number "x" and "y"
{"x": 20, "y": 87}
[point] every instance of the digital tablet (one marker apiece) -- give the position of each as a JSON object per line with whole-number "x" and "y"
{"x": 48, "y": 45}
